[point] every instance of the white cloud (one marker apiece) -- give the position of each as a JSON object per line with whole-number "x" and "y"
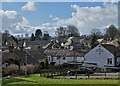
{"x": 84, "y": 18}
{"x": 100, "y": 0}
{"x": 10, "y": 0}
{"x": 61, "y": 0}
{"x": 30, "y": 6}
{"x": 23, "y": 24}
{"x": 54, "y": 18}
{"x": 18, "y": 24}
{"x": 87, "y": 18}
{"x": 9, "y": 14}
{"x": 14, "y": 22}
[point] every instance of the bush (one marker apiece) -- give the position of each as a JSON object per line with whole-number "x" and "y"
{"x": 46, "y": 63}
{"x": 15, "y": 70}
{"x": 37, "y": 68}
{"x": 11, "y": 70}
{"x": 29, "y": 68}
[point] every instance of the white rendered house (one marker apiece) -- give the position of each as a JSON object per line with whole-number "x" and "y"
{"x": 103, "y": 55}
{"x": 61, "y": 56}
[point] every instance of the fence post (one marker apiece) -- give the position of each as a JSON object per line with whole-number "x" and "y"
{"x": 105, "y": 72}
{"x": 64, "y": 73}
{"x": 76, "y": 71}
{"x": 88, "y": 75}
{"x": 44, "y": 73}
{"x": 76, "y": 74}
{"x": 40, "y": 72}
{"x": 47, "y": 72}
{"x": 52, "y": 71}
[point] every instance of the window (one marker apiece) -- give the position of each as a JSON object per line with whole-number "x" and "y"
{"x": 58, "y": 57}
{"x": 109, "y": 61}
{"x": 64, "y": 58}
{"x": 51, "y": 58}
{"x": 75, "y": 58}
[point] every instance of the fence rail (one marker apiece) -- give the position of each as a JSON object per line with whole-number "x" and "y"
{"x": 63, "y": 74}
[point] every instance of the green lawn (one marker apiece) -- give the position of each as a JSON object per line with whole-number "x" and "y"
{"x": 36, "y": 80}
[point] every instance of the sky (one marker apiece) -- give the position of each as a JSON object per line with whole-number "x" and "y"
{"x": 26, "y": 17}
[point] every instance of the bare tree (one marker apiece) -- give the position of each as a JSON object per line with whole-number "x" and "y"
{"x": 72, "y": 31}
{"x": 96, "y": 32}
{"x": 68, "y": 31}
{"x": 60, "y": 32}
{"x": 112, "y": 32}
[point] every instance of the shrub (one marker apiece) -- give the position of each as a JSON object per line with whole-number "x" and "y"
{"x": 29, "y": 68}
{"x": 37, "y": 68}
{"x": 11, "y": 70}
{"x": 15, "y": 70}
{"x": 46, "y": 63}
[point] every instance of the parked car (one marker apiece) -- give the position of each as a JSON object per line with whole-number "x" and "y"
{"x": 85, "y": 71}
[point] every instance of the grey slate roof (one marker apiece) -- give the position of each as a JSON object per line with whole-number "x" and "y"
{"x": 111, "y": 48}
{"x": 63, "y": 52}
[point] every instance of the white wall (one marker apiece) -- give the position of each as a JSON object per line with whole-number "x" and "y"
{"x": 61, "y": 61}
{"x": 101, "y": 59}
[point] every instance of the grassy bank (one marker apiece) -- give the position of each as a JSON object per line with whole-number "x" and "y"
{"x": 36, "y": 80}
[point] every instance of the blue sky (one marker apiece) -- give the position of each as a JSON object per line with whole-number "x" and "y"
{"x": 94, "y": 14}
{"x": 44, "y": 9}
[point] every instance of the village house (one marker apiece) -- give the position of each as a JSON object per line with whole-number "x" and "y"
{"x": 20, "y": 57}
{"x": 64, "y": 57}
{"x": 104, "y": 56}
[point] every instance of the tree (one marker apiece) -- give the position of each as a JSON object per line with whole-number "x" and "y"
{"x": 68, "y": 31}
{"x": 112, "y": 32}
{"x": 32, "y": 37}
{"x": 93, "y": 41}
{"x": 72, "y": 31}
{"x": 61, "y": 31}
{"x": 38, "y": 33}
{"x": 96, "y": 32}
{"x": 5, "y": 37}
{"x": 46, "y": 35}
{"x": 46, "y": 63}
{"x": 42, "y": 65}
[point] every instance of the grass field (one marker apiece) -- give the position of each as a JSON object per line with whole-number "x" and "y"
{"x": 36, "y": 80}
